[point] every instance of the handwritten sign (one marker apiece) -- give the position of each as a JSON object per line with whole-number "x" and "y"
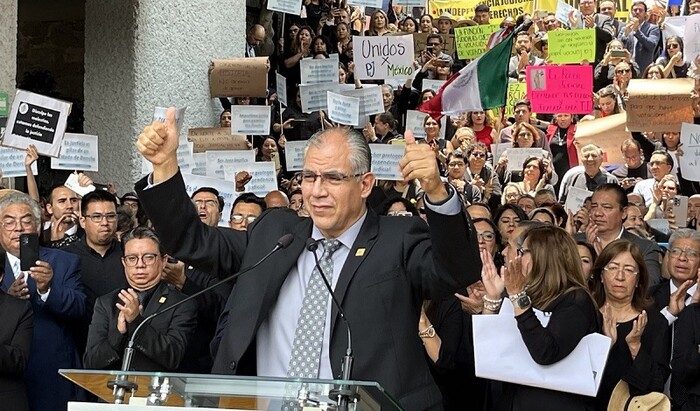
{"x": 560, "y": 89}
{"x": 227, "y": 189}
{"x": 381, "y": 57}
{"x": 39, "y": 120}
{"x": 250, "y": 120}
{"x": 343, "y": 109}
{"x": 571, "y": 46}
{"x": 414, "y": 122}
{"x": 78, "y": 152}
{"x": 285, "y": 6}
{"x": 263, "y": 173}
{"x": 211, "y": 139}
{"x": 517, "y": 156}
{"x": 690, "y": 160}
{"x": 608, "y": 133}
{"x": 218, "y": 161}
{"x": 575, "y": 199}
{"x": 314, "y": 97}
{"x": 371, "y": 101}
{"x": 315, "y": 71}
{"x": 471, "y": 41}
{"x": 239, "y": 77}
{"x": 385, "y": 161}
{"x": 691, "y": 39}
{"x": 294, "y": 155}
{"x": 12, "y": 163}
{"x": 659, "y": 105}
{"x": 516, "y": 92}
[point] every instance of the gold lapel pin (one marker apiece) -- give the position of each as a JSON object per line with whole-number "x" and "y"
{"x": 162, "y": 300}
{"x": 360, "y": 252}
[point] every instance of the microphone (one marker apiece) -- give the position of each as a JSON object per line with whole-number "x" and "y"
{"x": 121, "y": 384}
{"x": 343, "y": 394}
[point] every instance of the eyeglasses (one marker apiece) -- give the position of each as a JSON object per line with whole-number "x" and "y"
{"x": 455, "y": 164}
{"x": 486, "y": 236}
{"x": 614, "y": 268}
{"x": 238, "y": 218}
{"x": 132, "y": 260}
{"x": 400, "y": 213}
{"x": 333, "y": 178}
{"x": 522, "y": 250}
{"x": 10, "y": 224}
{"x": 97, "y": 218}
{"x": 672, "y": 46}
{"x": 548, "y": 22}
{"x": 638, "y": 10}
{"x": 206, "y": 203}
{"x": 479, "y": 155}
{"x": 434, "y": 44}
{"x": 622, "y": 71}
{"x": 689, "y": 253}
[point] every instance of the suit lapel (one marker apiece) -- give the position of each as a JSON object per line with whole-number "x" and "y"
{"x": 157, "y": 300}
{"x": 359, "y": 251}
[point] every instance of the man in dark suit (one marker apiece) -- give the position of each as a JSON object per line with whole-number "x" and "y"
{"x": 54, "y": 289}
{"x": 587, "y": 18}
{"x": 640, "y": 36}
{"x": 160, "y": 344}
{"x": 382, "y": 268}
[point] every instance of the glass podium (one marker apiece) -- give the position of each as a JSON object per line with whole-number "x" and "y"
{"x": 200, "y": 391}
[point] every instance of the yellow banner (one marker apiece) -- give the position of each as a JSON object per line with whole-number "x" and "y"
{"x": 499, "y": 9}
{"x": 516, "y": 92}
{"x": 622, "y": 7}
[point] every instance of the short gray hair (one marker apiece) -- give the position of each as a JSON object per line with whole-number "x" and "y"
{"x": 21, "y": 198}
{"x": 142, "y": 233}
{"x": 684, "y": 233}
{"x": 360, "y": 154}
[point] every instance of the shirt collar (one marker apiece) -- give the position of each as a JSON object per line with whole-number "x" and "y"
{"x": 690, "y": 291}
{"x": 348, "y": 237}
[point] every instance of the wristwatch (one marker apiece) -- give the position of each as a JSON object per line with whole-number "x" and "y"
{"x": 520, "y": 300}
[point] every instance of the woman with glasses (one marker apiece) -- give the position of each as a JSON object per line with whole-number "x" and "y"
{"x": 483, "y": 177}
{"x": 534, "y": 277}
{"x": 398, "y": 207}
{"x": 672, "y": 59}
{"x": 640, "y": 335}
{"x": 663, "y": 194}
{"x": 456, "y": 168}
{"x": 615, "y": 53}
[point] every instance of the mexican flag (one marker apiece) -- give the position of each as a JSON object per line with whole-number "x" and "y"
{"x": 479, "y": 86}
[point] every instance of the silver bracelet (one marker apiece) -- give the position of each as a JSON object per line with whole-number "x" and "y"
{"x": 492, "y": 305}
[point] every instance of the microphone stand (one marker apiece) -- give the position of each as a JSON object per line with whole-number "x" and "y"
{"x": 121, "y": 384}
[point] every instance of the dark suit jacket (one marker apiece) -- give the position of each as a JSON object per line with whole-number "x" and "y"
{"x": 661, "y": 293}
{"x": 645, "y": 48}
{"x": 16, "y": 331}
{"x": 160, "y": 344}
{"x": 604, "y": 32}
{"x": 53, "y": 343}
{"x": 686, "y": 359}
{"x": 392, "y": 267}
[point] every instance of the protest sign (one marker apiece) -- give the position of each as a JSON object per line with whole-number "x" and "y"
{"x": 560, "y": 89}
{"x": 314, "y": 97}
{"x": 39, "y": 120}
{"x": 217, "y": 161}
{"x": 159, "y": 114}
{"x": 499, "y": 150}
{"x": 659, "y": 105}
{"x": 343, "y": 109}
{"x": 250, "y": 120}
{"x": 385, "y": 161}
{"x": 366, "y": 3}
{"x": 465, "y": 8}
{"x": 263, "y": 173}
{"x": 409, "y": 3}
{"x": 414, "y": 122}
{"x": 371, "y": 101}
{"x": 562, "y": 12}
{"x": 239, "y": 77}
{"x": 227, "y": 190}
{"x": 200, "y": 164}
{"x": 691, "y": 39}
{"x": 516, "y": 92}
{"x": 211, "y": 139}
{"x": 674, "y": 26}
{"x": 433, "y": 84}
{"x": 517, "y": 156}
{"x": 3, "y": 104}
{"x": 608, "y": 133}
{"x": 294, "y": 155}
{"x": 281, "y": 82}
{"x": 315, "y": 71}
{"x": 285, "y": 6}
{"x": 12, "y": 163}
{"x": 575, "y": 198}
{"x": 185, "y": 157}
{"x": 689, "y": 162}
{"x": 471, "y": 41}
{"x": 381, "y": 57}
{"x": 78, "y": 152}
{"x": 571, "y": 46}
{"x": 73, "y": 184}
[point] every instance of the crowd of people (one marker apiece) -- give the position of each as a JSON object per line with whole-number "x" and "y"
{"x": 411, "y": 261}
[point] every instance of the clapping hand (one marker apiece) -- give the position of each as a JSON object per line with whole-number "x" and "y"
{"x": 609, "y": 324}
{"x": 493, "y": 283}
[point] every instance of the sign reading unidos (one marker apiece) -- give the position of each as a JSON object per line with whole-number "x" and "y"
{"x": 383, "y": 57}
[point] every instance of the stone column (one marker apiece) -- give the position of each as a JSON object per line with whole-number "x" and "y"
{"x": 8, "y": 48}
{"x": 140, "y": 54}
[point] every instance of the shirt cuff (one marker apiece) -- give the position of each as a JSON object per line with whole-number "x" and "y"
{"x": 44, "y": 296}
{"x": 669, "y": 317}
{"x": 451, "y": 206}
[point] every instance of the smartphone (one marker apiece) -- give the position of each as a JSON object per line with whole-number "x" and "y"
{"x": 172, "y": 260}
{"x": 429, "y": 49}
{"x": 441, "y": 63}
{"x": 618, "y": 53}
{"x": 28, "y": 250}
{"x": 680, "y": 210}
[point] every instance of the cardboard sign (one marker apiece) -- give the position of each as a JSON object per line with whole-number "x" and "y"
{"x": 12, "y": 163}
{"x": 314, "y": 97}
{"x": 608, "y": 133}
{"x": 691, "y": 40}
{"x": 371, "y": 101}
{"x": 218, "y": 161}
{"x": 227, "y": 189}
{"x": 294, "y": 155}
{"x": 263, "y": 173}
{"x": 689, "y": 162}
{"x": 471, "y": 41}
{"x": 281, "y": 82}
{"x": 516, "y": 92}
{"x": 383, "y": 57}
{"x": 420, "y": 40}
{"x": 659, "y": 105}
{"x": 560, "y": 89}
{"x": 285, "y": 6}
{"x": 385, "y": 161}
{"x": 239, "y": 77}
{"x": 39, "y": 120}
{"x": 78, "y": 152}
{"x": 251, "y": 120}
{"x": 212, "y": 139}
{"x": 517, "y": 156}
{"x": 315, "y": 71}
{"x": 575, "y": 198}
{"x": 343, "y": 109}
{"x": 571, "y": 46}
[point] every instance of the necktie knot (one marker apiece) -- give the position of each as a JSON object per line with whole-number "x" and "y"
{"x": 330, "y": 247}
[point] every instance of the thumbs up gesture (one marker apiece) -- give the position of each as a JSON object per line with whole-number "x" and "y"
{"x": 419, "y": 163}
{"x": 158, "y": 144}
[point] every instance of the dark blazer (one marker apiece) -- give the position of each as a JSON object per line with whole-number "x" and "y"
{"x": 16, "y": 331}
{"x": 160, "y": 344}
{"x": 661, "y": 293}
{"x": 604, "y": 33}
{"x": 647, "y": 38}
{"x": 686, "y": 358}
{"x": 53, "y": 343}
{"x": 392, "y": 267}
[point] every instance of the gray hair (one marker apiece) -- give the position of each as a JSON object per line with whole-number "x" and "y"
{"x": 360, "y": 154}
{"x": 142, "y": 233}
{"x": 592, "y": 146}
{"x": 21, "y": 198}
{"x": 684, "y": 233}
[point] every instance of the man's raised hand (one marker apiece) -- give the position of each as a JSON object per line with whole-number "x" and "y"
{"x": 158, "y": 144}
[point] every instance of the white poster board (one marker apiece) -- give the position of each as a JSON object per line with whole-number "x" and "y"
{"x": 294, "y": 155}
{"x": 343, "y": 109}
{"x": 575, "y": 199}
{"x": 281, "y": 89}
{"x": 263, "y": 173}
{"x": 414, "y": 122}
{"x": 12, "y": 162}
{"x": 78, "y": 152}
{"x": 383, "y": 57}
{"x": 371, "y": 100}
{"x": 250, "y": 120}
{"x": 385, "y": 161}
{"x": 690, "y": 160}
{"x": 316, "y": 71}
{"x": 285, "y": 6}
{"x": 314, "y": 97}
{"x": 516, "y": 156}
{"x": 691, "y": 38}
{"x": 218, "y": 161}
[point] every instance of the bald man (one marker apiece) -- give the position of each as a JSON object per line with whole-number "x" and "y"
{"x": 256, "y": 35}
{"x": 276, "y": 199}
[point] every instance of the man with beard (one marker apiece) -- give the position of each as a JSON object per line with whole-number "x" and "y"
{"x": 523, "y": 57}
